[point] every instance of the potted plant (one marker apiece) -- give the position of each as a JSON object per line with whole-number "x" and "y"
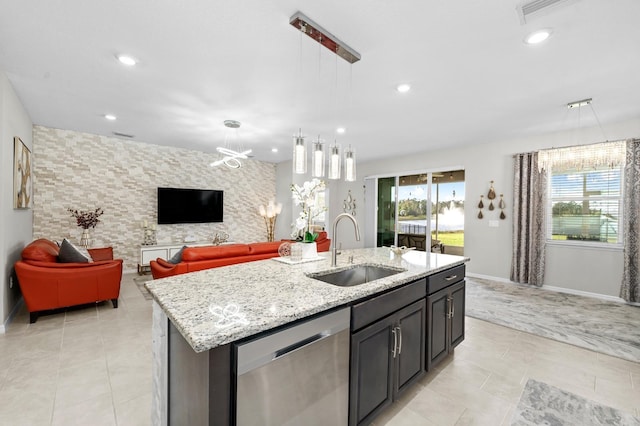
{"x": 305, "y": 196}
{"x": 86, "y": 219}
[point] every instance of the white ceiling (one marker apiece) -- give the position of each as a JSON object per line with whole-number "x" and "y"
{"x": 203, "y": 61}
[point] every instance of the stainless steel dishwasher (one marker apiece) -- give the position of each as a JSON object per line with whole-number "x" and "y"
{"x": 297, "y": 376}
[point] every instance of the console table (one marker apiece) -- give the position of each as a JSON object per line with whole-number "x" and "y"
{"x": 164, "y": 251}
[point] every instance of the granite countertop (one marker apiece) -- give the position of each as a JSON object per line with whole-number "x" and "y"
{"x": 221, "y": 305}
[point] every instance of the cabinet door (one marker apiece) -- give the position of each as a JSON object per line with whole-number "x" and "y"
{"x": 457, "y": 319}
{"x": 410, "y": 358}
{"x": 371, "y": 383}
{"x": 438, "y": 327}
{"x": 149, "y": 254}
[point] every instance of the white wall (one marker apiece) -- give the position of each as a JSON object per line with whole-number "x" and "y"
{"x": 15, "y": 225}
{"x": 588, "y": 270}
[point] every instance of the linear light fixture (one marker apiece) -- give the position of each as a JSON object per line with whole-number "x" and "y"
{"x": 526, "y": 9}
{"x": 324, "y": 37}
{"x": 578, "y": 104}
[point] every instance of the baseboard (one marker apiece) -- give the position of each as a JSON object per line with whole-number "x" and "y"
{"x": 584, "y": 293}
{"x": 556, "y": 289}
{"x": 12, "y": 315}
{"x": 489, "y": 277}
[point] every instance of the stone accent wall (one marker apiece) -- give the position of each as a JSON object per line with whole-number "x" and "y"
{"x": 84, "y": 171}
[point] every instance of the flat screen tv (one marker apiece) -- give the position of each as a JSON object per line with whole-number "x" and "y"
{"x": 180, "y": 205}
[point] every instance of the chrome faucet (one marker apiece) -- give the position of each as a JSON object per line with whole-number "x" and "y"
{"x": 334, "y": 250}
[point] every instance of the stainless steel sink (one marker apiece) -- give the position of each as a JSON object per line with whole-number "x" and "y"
{"x": 355, "y": 276}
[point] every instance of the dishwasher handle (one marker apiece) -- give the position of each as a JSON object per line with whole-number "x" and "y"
{"x": 301, "y": 344}
{"x": 262, "y": 350}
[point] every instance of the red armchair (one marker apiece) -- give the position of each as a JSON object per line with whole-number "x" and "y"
{"x": 47, "y": 284}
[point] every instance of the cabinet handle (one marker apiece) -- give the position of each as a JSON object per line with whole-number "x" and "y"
{"x": 450, "y": 277}
{"x": 453, "y": 308}
{"x": 395, "y": 341}
{"x": 400, "y": 340}
{"x": 449, "y": 307}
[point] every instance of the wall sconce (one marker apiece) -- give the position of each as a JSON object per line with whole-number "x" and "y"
{"x": 269, "y": 214}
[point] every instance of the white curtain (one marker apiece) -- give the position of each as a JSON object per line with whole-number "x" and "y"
{"x": 529, "y": 189}
{"x": 630, "y": 290}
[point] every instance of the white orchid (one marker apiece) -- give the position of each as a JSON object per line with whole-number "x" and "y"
{"x": 305, "y": 196}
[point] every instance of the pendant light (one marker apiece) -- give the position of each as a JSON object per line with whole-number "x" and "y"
{"x": 349, "y": 164}
{"x": 317, "y": 159}
{"x": 299, "y": 154}
{"x": 230, "y": 157}
{"x": 334, "y": 161}
{"x": 334, "y": 156}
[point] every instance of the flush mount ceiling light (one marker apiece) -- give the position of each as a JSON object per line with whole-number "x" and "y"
{"x": 537, "y": 37}
{"x": 403, "y": 88}
{"x": 110, "y": 117}
{"x": 127, "y": 60}
{"x": 231, "y": 158}
{"x": 341, "y": 130}
{"x": 324, "y": 37}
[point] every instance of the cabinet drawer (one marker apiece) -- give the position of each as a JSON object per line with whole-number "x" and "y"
{"x": 380, "y": 306}
{"x": 444, "y": 279}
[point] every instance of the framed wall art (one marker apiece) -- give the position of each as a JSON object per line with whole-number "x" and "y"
{"x": 22, "y": 191}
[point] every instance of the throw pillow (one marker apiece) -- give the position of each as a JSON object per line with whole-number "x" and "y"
{"x": 72, "y": 254}
{"x": 177, "y": 258}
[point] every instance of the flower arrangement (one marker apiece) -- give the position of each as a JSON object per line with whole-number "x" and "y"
{"x": 305, "y": 197}
{"x": 87, "y": 219}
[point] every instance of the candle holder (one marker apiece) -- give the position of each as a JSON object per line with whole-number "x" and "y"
{"x": 149, "y": 232}
{"x": 269, "y": 214}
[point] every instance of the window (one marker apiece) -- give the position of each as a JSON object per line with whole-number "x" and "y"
{"x": 586, "y": 205}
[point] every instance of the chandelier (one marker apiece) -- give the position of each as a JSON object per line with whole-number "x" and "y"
{"x": 583, "y": 157}
{"x": 230, "y": 158}
{"x": 324, "y": 38}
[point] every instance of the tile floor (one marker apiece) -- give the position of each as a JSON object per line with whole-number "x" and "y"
{"x": 92, "y": 366}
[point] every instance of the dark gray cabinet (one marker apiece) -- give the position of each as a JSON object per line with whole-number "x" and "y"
{"x": 387, "y": 356}
{"x": 445, "y": 314}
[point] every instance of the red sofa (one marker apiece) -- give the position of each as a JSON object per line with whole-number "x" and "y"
{"x": 47, "y": 284}
{"x": 207, "y": 257}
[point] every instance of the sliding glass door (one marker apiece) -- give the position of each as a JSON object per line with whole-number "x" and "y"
{"x": 386, "y": 207}
{"x": 447, "y": 212}
{"x": 423, "y": 210}
{"x": 413, "y": 198}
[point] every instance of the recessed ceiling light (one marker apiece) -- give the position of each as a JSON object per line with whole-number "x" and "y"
{"x": 341, "y": 130}
{"x": 403, "y": 88}
{"x": 110, "y": 117}
{"x": 274, "y": 149}
{"x": 127, "y": 60}
{"x": 538, "y": 37}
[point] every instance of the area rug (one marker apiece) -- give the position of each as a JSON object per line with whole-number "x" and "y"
{"x": 140, "y": 283}
{"x": 543, "y": 404}
{"x": 602, "y": 326}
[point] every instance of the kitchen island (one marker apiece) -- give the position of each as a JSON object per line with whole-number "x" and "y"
{"x": 199, "y": 317}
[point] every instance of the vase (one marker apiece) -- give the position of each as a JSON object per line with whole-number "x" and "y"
{"x": 85, "y": 239}
{"x": 309, "y": 250}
